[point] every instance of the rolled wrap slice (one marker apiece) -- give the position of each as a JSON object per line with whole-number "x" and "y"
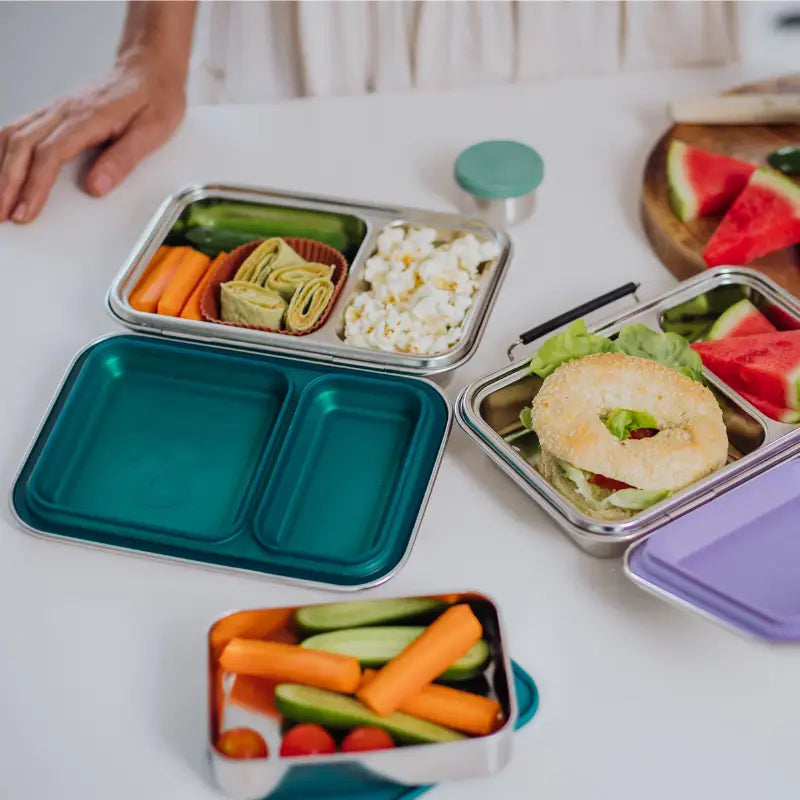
{"x": 249, "y": 304}
{"x": 287, "y": 280}
{"x": 269, "y": 255}
{"x": 308, "y": 304}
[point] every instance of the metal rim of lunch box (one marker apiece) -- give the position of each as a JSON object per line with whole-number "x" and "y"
{"x": 609, "y": 539}
{"x": 130, "y": 551}
{"x": 376, "y": 759}
{"x": 325, "y": 344}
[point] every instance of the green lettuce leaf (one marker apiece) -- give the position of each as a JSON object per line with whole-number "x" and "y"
{"x": 636, "y": 499}
{"x": 669, "y": 349}
{"x": 574, "y": 342}
{"x": 629, "y": 499}
{"x": 622, "y": 421}
{"x": 525, "y": 418}
{"x": 582, "y": 485}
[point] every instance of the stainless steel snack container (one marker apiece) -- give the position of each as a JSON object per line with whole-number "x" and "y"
{"x": 761, "y": 441}
{"x": 410, "y": 765}
{"x": 327, "y": 343}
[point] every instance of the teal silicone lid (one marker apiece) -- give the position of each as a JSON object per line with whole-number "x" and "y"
{"x": 499, "y": 169}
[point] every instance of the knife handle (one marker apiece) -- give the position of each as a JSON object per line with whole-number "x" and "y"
{"x": 742, "y": 109}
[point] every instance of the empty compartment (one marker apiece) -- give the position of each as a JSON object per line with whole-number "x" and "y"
{"x": 158, "y": 437}
{"x": 352, "y": 474}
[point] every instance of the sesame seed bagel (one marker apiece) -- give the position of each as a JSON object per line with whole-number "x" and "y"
{"x": 566, "y": 415}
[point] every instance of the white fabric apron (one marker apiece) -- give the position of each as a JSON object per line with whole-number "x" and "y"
{"x": 256, "y": 52}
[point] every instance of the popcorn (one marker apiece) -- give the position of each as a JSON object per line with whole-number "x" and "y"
{"x": 420, "y": 292}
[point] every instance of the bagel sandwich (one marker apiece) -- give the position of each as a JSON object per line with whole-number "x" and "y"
{"x": 620, "y": 432}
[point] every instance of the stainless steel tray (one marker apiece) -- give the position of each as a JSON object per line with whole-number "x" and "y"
{"x": 327, "y": 343}
{"x": 408, "y": 765}
{"x": 763, "y": 442}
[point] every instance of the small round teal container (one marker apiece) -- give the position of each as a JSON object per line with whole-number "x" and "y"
{"x": 498, "y": 181}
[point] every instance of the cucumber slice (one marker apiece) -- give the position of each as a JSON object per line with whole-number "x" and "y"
{"x": 334, "y": 616}
{"x": 332, "y": 710}
{"x": 373, "y": 647}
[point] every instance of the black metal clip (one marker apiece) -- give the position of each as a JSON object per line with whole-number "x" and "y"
{"x": 572, "y": 314}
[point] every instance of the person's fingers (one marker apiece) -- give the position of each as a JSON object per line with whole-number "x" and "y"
{"x": 17, "y": 158}
{"x": 12, "y": 127}
{"x": 142, "y": 137}
{"x": 63, "y": 144}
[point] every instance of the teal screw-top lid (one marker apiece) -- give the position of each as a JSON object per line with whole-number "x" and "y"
{"x": 499, "y": 169}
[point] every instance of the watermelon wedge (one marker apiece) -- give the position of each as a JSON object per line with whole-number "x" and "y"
{"x": 765, "y": 365}
{"x": 770, "y": 410}
{"x": 765, "y": 217}
{"x": 701, "y": 182}
{"x": 741, "y": 319}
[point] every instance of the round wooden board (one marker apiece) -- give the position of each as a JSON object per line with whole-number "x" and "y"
{"x": 680, "y": 245}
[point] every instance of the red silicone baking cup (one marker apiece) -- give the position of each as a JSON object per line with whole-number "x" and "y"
{"x": 308, "y": 249}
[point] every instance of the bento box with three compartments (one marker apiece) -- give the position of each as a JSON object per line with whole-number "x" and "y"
{"x": 700, "y": 546}
{"x": 298, "y": 455}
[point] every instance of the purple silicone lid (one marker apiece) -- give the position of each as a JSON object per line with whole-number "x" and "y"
{"x": 736, "y": 557}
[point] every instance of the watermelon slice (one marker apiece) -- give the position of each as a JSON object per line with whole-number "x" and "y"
{"x": 741, "y": 319}
{"x": 765, "y": 217}
{"x": 771, "y": 410}
{"x": 701, "y": 182}
{"x": 765, "y": 365}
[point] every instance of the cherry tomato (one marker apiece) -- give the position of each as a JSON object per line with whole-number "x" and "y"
{"x": 643, "y": 433}
{"x": 307, "y": 740}
{"x": 608, "y": 483}
{"x": 242, "y": 743}
{"x": 362, "y": 739}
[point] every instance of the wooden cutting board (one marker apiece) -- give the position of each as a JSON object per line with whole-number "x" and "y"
{"x": 680, "y": 245}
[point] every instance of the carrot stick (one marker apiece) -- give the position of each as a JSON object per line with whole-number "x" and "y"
{"x": 255, "y": 694}
{"x": 290, "y": 663}
{"x": 443, "y": 642}
{"x": 259, "y": 624}
{"x": 148, "y": 290}
{"x": 183, "y": 282}
{"x": 191, "y": 310}
{"x": 453, "y": 708}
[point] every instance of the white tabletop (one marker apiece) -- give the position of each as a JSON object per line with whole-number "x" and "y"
{"x": 102, "y": 674}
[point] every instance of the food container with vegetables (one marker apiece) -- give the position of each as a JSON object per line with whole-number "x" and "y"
{"x": 388, "y": 288}
{"x": 333, "y": 700}
{"x": 643, "y": 434}
{"x": 243, "y": 424}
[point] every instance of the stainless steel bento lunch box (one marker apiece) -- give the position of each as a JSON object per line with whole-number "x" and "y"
{"x": 365, "y": 222}
{"x": 342, "y": 774}
{"x": 301, "y": 457}
{"x": 487, "y": 408}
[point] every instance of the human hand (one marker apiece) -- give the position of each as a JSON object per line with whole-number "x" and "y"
{"x": 132, "y": 112}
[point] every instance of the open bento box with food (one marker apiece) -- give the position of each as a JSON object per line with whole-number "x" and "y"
{"x": 332, "y": 700}
{"x": 251, "y": 422}
{"x": 388, "y": 288}
{"x": 620, "y": 431}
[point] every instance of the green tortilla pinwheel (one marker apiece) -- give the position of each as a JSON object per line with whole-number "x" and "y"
{"x": 249, "y": 304}
{"x": 287, "y": 280}
{"x": 308, "y": 304}
{"x": 271, "y": 254}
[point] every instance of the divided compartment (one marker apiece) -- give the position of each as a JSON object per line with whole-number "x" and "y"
{"x": 311, "y": 251}
{"x": 694, "y": 317}
{"x": 153, "y": 438}
{"x": 359, "y": 283}
{"x": 224, "y": 220}
{"x": 352, "y": 475}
